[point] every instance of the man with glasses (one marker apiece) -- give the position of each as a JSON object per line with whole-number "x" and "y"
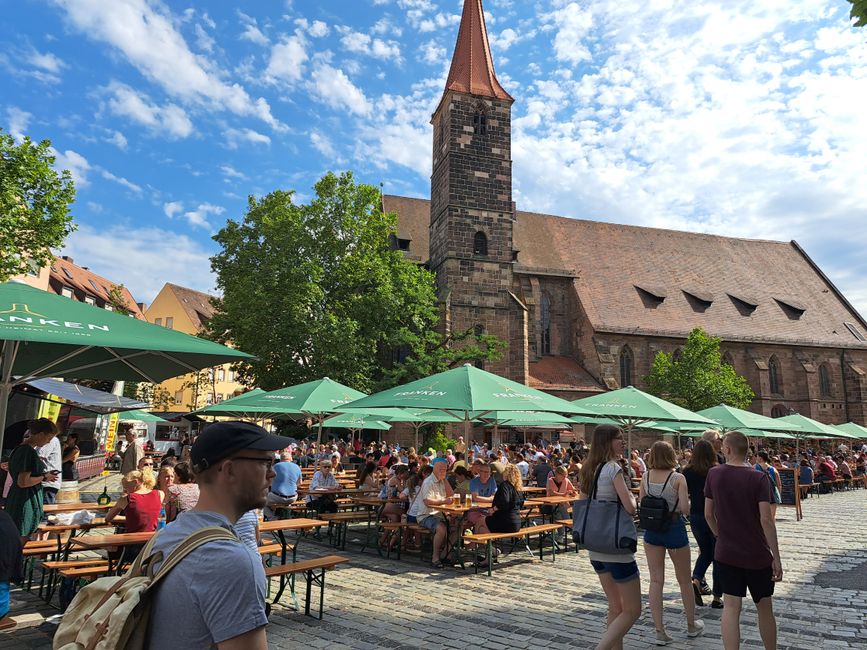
{"x": 325, "y": 485}
{"x": 215, "y": 597}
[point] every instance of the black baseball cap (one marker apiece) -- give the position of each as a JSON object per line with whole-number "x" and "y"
{"x": 222, "y": 439}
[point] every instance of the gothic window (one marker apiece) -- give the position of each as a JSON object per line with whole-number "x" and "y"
{"x": 626, "y": 364}
{"x": 779, "y": 411}
{"x": 824, "y": 381}
{"x": 774, "y": 376}
{"x": 545, "y": 324}
{"x": 728, "y": 359}
{"x": 442, "y": 130}
{"x": 480, "y": 244}
{"x": 480, "y": 122}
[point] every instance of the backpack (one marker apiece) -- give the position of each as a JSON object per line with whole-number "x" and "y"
{"x": 653, "y": 513}
{"x": 112, "y": 612}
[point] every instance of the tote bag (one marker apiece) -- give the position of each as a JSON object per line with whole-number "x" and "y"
{"x": 603, "y": 526}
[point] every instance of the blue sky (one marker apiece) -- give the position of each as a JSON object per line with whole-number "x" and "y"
{"x": 741, "y": 118}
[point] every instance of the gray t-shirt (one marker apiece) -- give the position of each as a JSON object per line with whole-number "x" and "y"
{"x": 216, "y": 593}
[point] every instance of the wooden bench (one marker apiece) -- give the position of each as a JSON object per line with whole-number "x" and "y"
{"x": 543, "y": 531}
{"x": 85, "y": 572}
{"x": 401, "y": 527}
{"x": 338, "y": 525}
{"x": 34, "y": 549}
{"x": 51, "y": 568}
{"x": 314, "y": 572}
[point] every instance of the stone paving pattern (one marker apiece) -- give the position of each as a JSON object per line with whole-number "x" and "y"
{"x": 377, "y": 603}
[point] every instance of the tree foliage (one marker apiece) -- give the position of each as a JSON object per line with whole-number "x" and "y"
{"x": 315, "y": 289}
{"x": 158, "y": 397}
{"x": 859, "y": 12}
{"x": 34, "y": 205}
{"x": 698, "y": 379}
{"x": 117, "y": 299}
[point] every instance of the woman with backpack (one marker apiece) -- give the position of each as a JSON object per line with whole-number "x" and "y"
{"x": 763, "y": 465}
{"x": 664, "y": 500}
{"x": 618, "y": 574}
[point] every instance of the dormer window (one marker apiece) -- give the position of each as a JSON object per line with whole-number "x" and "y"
{"x": 791, "y": 308}
{"x": 480, "y": 244}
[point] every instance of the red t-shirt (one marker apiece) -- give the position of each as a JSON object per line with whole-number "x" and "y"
{"x": 736, "y": 493}
{"x": 142, "y": 512}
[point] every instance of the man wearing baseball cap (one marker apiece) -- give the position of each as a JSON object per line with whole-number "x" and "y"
{"x": 215, "y": 597}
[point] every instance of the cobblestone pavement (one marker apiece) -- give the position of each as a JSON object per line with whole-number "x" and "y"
{"x": 377, "y": 603}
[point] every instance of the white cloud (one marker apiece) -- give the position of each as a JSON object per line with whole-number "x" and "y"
{"x": 75, "y": 163}
{"x": 18, "y": 121}
{"x": 323, "y": 144}
{"x": 252, "y": 32}
{"x": 573, "y": 23}
{"x": 172, "y": 208}
{"x": 170, "y": 121}
{"x": 118, "y": 140}
{"x": 333, "y": 87}
{"x": 199, "y": 216}
{"x": 231, "y": 172}
{"x": 204, "y": 40}
{"x": 318, "y": 29}
{"x": 121, "y": 181}
{"x": 432, "y": 53}
{"x": 144, "y": 266}
{"x": 287, "y": 59}
{"x": 377, "y": 48}
{"x": 236, "y": 137}
{"x": 46, "y": 61}
{"x": 146, "y": 35}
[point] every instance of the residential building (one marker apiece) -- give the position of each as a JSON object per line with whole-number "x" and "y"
{"x": 79, "y": 283}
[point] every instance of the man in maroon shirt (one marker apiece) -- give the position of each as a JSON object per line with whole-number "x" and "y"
{"x": 737, "y": 509}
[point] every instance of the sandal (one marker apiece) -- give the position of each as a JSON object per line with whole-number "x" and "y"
{"x": 437, "y": 565}
{"x": 697, "y": 591}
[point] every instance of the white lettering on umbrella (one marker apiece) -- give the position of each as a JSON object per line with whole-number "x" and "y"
{"x": 278, "y": 397}
{"x": 73, "y": 325}
{"x": 45, "y": 321}
{"x": 91, "y": 326}
{"x": 431, "y": 393}
{"x": 19, "y": 319}
{"x": 517, "y": 395}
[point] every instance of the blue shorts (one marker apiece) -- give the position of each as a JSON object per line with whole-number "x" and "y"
{"x": 410, "y": 519}
{"x": 432, "y": 522}
{"x": 4, "y": 598}
{"x": 674, "y": 537}
{"x": 620, "y": 571}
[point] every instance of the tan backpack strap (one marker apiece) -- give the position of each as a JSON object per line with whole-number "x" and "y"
{"x": 190, "y": 544}
{"x": 144, "y": 555}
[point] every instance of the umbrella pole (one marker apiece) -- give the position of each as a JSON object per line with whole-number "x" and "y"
{"x": 9, "y": 351}
{"x": 319, "y": 434}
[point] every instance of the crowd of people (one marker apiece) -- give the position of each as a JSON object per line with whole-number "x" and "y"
{"x": 726, "y": 490}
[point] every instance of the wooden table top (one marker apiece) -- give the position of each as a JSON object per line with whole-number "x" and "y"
{"x": 534, "y": 489}
{"x": 299, "y": 523}
{"x": 374, "y": 501}
{"x": 51, "y": 508}
{"x": 99, "y": 522}
{"x": 549, "y": 501}
{"x": 93, "y": 542}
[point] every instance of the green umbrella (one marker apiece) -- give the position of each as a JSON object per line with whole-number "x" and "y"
{"x": 856, "y": 430}
{"x": 467, "y": 393}
{"x": 227, "y": 406}
{"x": 811, "y": 428}
{"x": 46, "y": 335}
{"x": 141, "y": 416}
{"x": 355, "y": 423}
{"x": 750, "y": 433}
{"x": 730, "y": 418}
{"x": 630, "y": 407}
{"x": 314, "y": 399}
{"x": 523, "y": 419}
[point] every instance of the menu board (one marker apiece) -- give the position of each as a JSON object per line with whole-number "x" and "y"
{"x": 790, "y": 492}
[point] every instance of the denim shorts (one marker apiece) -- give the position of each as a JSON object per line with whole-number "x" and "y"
{"x": 4, "y": 598}
{"x": 432, "y": 522}
{"x": 410, "y": 519}
{"x": 674, "y": 537}
{"x": 620, "y": 571}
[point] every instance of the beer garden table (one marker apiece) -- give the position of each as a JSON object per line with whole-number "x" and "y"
{"x": 53, "y": 508}
{"x": 107, "y": 542}
{"x": 280, "y": 526}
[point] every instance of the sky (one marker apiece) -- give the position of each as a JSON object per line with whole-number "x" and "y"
{"x": 742, "y": 118}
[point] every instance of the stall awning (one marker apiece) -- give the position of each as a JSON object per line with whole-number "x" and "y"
{"x": 90, "y": 399}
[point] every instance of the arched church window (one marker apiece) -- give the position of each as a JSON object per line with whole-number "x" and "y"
{"x": 480, "y": 122}
{"x": 779, "y": 411}
{"x": 728, "y": 359}
{"x": 774, "y": 377}
{"x": 824, "y": 381}
{"x": 480, "y": 244}
{"x": 545, "y": 324}
{"x": 627, "y": 362}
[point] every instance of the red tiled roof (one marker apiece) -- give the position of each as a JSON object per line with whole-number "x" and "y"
{"x": 196, "y": 304}
{"x": 86, "y": 282}
{"x": 562, "y": 373}
{"x": 472, "y": 68}
{"x": 622, "y": 270}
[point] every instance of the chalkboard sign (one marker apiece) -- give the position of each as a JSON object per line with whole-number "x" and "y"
{"x": 790, "y": 492}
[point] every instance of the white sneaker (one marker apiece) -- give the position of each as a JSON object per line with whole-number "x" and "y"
{"x": 662, "y": 638}
{"x": 695, "y": 630}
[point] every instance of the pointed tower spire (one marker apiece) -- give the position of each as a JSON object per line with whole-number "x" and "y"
{"x": 472, "y": 68}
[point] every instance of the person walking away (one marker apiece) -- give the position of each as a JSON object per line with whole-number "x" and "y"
{"x": 618, "y": 574}
{"x": 662, "y": 481}
{"x": 763, "y": 465}
{"x": 133, "y": 453}
{"x": 222, "y": 584}
{"x": 24, "y": 501}
{"x": 738, "y": 511}
{"x": 51, "y": 455}
{"x": 284, "y": 487}
{"x": 703, "y": 458}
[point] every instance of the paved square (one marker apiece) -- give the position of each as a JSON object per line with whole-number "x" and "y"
{"x": 376, "y": 603}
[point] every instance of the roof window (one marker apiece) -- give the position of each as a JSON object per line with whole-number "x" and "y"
{"x": 791, "y": 308}
{"x": 95, "y": 286}
{"x": 651, "y": 295}
{"x": 67, "y": 273}
{"x": 855, "y": 331}
{"x": 699, "y": 300}
{"x": 746, "y": 305}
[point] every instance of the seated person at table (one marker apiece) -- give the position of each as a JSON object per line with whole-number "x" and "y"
{"x": 336, "y": 465}
{"x": 326, "y": 485}
{"x": 368, "y": 481}
{"x": 805, "y": 476}
{"x": 435, "y": 491}
{"x": 483, "y": 488}
{"x": 460, "y": 480}
{"x": 140, "y": 502}
{"x": 505, "y": 514}
{"x": 541, "y": 471}
{"x": 824, "y": 470}
{"x": 559, "y": 485}
{"x": 284, "y": 487}
{"x": 183, "y": 494}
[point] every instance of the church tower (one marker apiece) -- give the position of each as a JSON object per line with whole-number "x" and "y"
{"x": 472, "y": 213}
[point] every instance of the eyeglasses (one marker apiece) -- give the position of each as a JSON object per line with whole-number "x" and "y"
{"x": 267, "y": 463}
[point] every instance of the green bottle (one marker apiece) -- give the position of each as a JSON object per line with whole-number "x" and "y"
{"x": 103, "y": 499}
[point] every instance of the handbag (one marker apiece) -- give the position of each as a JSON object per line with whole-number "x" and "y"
{"x": 603, "y": 526}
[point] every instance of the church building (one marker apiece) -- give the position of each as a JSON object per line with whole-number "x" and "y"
{"x": 586, "y": 305}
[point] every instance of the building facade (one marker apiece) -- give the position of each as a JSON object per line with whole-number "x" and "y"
{"x": 66, "y": 278}
{"x": 187, "y": 311}
{"x": 586, "y": 305}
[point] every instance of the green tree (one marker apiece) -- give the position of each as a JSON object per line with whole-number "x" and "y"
{"x": 34, "y": 205}
{"x": 698, "y": 379}
{"x": 200, "y": 384}
{"x": 154, "y": 394}
{"x": 316, "y": 290}
{"x": 117, "y": 299}
{"x": 859, "y": 12}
